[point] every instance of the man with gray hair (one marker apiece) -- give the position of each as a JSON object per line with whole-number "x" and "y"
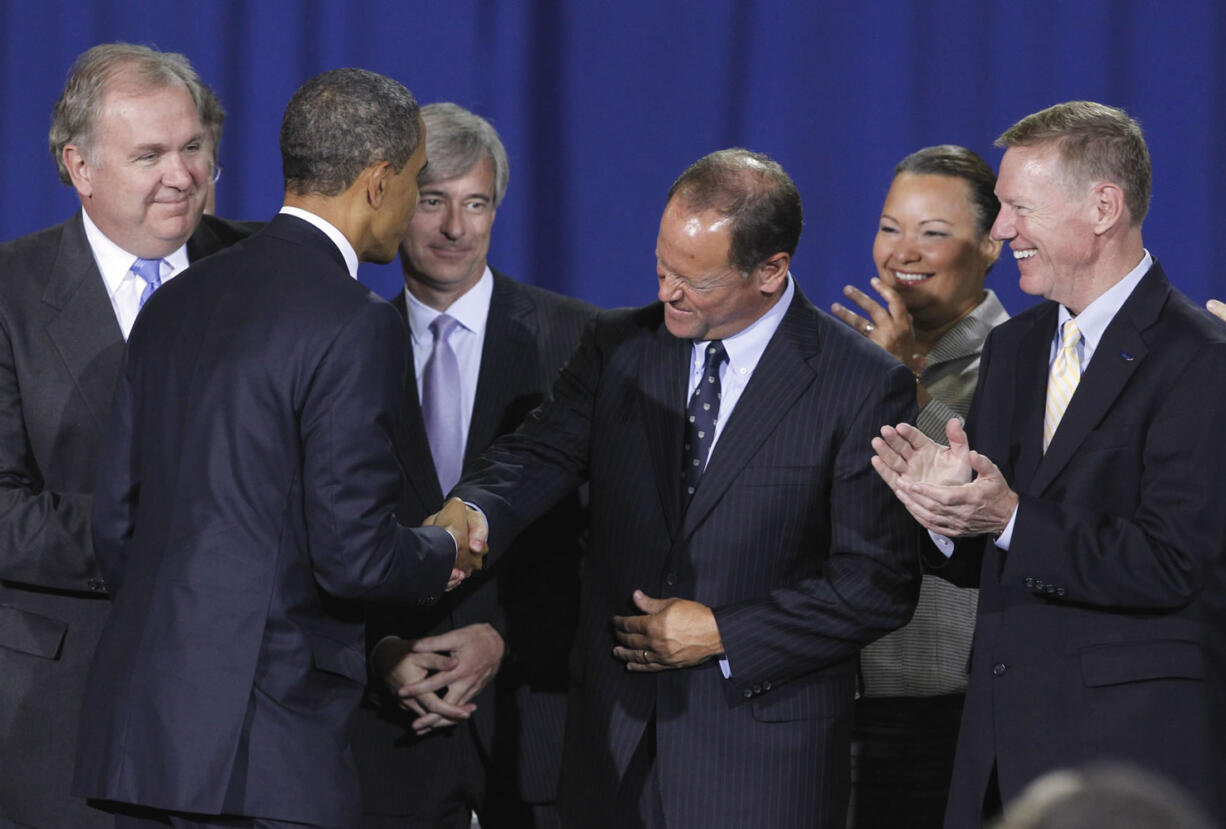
{"x": 1089, "y": 514}
{"x": 128, "y": 134}
{"x": 483, "y": 732}
{"x": 246, "y": 504}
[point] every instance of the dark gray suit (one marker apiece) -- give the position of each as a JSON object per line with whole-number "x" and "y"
{"x": 791, "y": 538}
{"x": 532, "y": 599}
{"x": 60, "y": 350}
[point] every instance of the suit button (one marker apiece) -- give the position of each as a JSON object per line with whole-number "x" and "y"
{"x": 97, "y": 585}
{"x": 757, "y": 689}
{"x": 1029, "y": 582}
{"x": 766, "y": 686}
{"x": 1060, "y": 592}
{"x": 999, "y": 669}
{"x": 747, "y": 693}
{"x": 1049, "y": 590}
{"x": 670, "y": 578}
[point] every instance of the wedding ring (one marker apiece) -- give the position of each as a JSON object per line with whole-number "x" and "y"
{"x": 869, "y": 328}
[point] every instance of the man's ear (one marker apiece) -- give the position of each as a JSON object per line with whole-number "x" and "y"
{"x": 772, "y": 273}
{"x": 79, "y": 170}
{"x": 1110, "y": 207}
{"x": 377, "y": 178}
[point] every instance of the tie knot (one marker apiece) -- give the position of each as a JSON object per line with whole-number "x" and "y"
{"x": 149, "y": 270}
{"x": 716, "y": 355}
{"x": 1072, "y": 334}
{"x": 442, "y": 326}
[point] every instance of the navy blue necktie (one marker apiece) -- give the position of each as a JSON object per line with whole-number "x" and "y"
{"x": 700, "y": 418}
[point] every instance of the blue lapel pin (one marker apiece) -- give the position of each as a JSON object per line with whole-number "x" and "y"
{"x": 1127, "y": 356}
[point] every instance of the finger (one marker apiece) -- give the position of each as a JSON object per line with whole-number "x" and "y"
{"x": 886, "y": 454}
{"x": 871, "y": 306}
{"x": 915, "y": 439}
{"x": 899, "y": 445}
{"x": 478, "y": 530}
{"x": 897, "y": 309}
{"x": 448, "y": 641}
{"x": 435, "y": 704}
{"x": 630, "y": 624}
{"x": 431, "y": 722}
{"x": 633, "y": 641}
{"x": 983, "y": 466}
{"x": 887, "y": 474}
{"x": 628, "y": 653}
{"x": 434, "y": 661}
{"x": 649, "y": 667}
{"x": 848, "y": 316}
{"x": 428, "y": 685}
{"x": 413, "y": 705}
{"x": 647, "y": 604}
{"x": 456, "y": 579}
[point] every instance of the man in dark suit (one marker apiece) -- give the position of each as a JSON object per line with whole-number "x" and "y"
{"x": 246, "y": 502}
{"x": 741, "y": 550}
{"x": 68, "y": 300}
{"x": 417, "y": 766}
{"x": 1090, "y": 511}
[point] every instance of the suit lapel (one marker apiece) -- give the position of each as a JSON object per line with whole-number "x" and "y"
{"x": 782, "y": 375}
{"x": 423, "y": 477}
{"x": 1120, "y": 353}
{"x": 1031, "y": 399}
{"x": 509, "y": 365}
{"x": 92, "y": 352}
{"x": 663, "y": 369}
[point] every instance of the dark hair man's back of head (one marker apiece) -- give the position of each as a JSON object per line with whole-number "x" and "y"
{"x": 752, "y": 190}
{"x": 339, "y": 123}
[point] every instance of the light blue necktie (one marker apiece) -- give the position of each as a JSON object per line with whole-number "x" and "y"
{"x": 440, "y": 392}
{"x": 149, "y": 270}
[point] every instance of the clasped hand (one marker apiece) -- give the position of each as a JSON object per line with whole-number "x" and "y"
{"x": 467, "y": 527}
{"x": 951, "y": 490}
{"x": 456, "y": 664}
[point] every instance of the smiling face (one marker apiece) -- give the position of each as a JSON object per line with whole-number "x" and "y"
{"x": 145, "y": 182}
{"x": 447, "y": 243}
{"x": 928, "y": 248}
{"x": 704, "y": 297}
{"x": 1046, "y": 216}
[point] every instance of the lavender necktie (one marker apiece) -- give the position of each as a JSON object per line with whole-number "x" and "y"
{"x": 440, "y": 392}
{"x": 149, "y": 270}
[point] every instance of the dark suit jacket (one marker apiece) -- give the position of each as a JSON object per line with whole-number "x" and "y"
{"x": 792, "y": 539}
{"x": 244, "y": 504}
{"x": 1095, "y": 629}
{"x": 532, "y": 599}
{"x": 60, "y": 350}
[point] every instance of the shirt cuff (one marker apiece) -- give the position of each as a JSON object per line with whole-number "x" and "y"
{"x": 725, "y": 667}
{"x": 1006, "y": 536}
{"x": 944, "y": 543}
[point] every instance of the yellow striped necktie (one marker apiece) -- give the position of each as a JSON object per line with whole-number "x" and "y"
{"x": 1062, "y": 382}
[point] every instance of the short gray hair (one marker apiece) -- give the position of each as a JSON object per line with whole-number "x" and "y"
{"x": 76, "y": 112}
{"x": 339, "y": 123}
{"x": 457, "y": 140}
{"x": 1095, "y": 142}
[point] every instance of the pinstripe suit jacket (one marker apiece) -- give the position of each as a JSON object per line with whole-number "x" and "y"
{"x": 791, "y": 538}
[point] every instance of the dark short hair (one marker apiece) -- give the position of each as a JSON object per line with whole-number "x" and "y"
{"x": 339, "y": 123}
{"x": 456, "y": 140}
{"x": 1096, "y": 142}
{"x": 959, "y": 162}
{"x": 752, "y": 190}
{"x": 76, "y": 112}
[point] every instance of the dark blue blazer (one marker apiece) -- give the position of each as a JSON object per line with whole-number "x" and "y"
{"x": 800, "y": 549}
{"x": 245, "y": 506}
{"x": 531, "y": 599}
{"x": 60, "y": 351}
{"x": 1100, "y": 631}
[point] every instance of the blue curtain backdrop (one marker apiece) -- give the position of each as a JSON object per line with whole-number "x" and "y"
{"x": 602, "y": 104}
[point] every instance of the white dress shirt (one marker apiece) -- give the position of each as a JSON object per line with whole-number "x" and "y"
{"x": 467, "y": 339}
{"x": 123, "y": 287}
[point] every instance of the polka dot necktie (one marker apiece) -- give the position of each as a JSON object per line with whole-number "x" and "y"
{"x": 700, "y": 418}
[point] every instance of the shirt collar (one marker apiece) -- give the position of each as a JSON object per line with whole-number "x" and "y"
{"x": 114, "y": 262}
{"x": 745, "y": 348}
{"x": 471, "y": 310}
{"x": 331, "y": 231}
{"x": 1092, "y": 322}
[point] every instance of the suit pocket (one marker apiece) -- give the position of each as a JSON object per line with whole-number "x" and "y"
{"x": 1140, "y": 661}
{"x": 338, "y": 658}
{"x": 26, "y": 632}
{"x": 805, "y": 700}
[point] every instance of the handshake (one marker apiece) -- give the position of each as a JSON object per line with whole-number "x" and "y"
{"x": 467, "y": 526}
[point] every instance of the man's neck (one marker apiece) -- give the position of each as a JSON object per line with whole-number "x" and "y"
{"x": 439, "y": 297}
{"x": 1114, "y": 263}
